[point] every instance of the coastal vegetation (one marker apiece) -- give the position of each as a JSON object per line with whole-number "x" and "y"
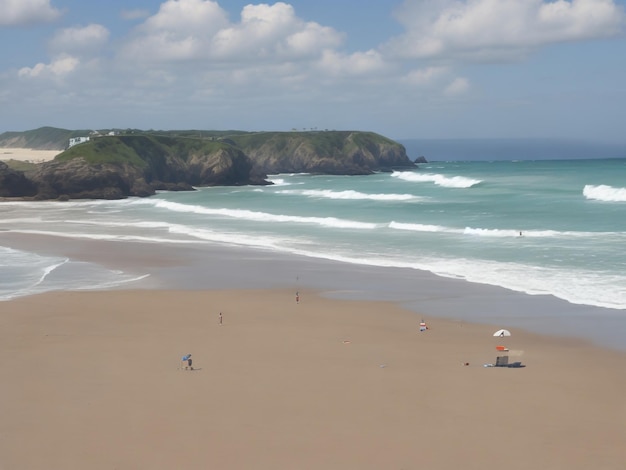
{"x": 43, "y": 138}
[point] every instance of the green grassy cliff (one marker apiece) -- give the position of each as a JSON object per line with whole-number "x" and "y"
{"x": 137, "y": 163}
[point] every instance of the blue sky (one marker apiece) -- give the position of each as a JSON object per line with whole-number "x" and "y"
{"x": 402, "y": 68}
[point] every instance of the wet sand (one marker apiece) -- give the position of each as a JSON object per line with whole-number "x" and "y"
{"x": 202, "y": 267}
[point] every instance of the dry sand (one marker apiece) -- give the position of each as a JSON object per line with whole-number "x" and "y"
{"x": 28, "y": 155}
{"x": 92, "y": 380}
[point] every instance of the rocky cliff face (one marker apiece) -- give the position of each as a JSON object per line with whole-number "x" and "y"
{"x": 78, "y": 179}
{"x": 14, "y": 183}
{"x": 129, "y": 166}
{"x": 335, "y": 153}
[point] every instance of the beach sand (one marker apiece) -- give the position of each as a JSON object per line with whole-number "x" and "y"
{"x": 28, "y": 155}
{"x": 93, "y": 380}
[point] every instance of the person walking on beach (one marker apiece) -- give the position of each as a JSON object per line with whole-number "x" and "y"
{"x": 297, "y": 297}
{"x": 221, "y": 320}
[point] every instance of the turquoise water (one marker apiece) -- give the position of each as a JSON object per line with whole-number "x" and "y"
{"x": 456, "y": 219}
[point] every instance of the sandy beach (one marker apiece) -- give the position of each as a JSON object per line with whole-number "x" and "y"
{"x": 93, "y": 380}
{"x": 28, "y": 155}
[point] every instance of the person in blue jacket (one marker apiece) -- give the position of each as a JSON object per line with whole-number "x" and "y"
{"x": 187, "y": 359}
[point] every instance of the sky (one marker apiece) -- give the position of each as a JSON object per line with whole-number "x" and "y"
{"x": 432, "y": 69}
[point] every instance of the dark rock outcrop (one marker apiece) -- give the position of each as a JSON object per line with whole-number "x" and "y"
{"x": 118, "y": 167}
{"x": 115, "y": 167}
{"x": 78, "y": 179}
{"x": 14, "y": 184}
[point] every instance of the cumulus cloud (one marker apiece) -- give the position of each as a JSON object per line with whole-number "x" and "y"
{"x": 273, "y": 32}
{"x": 200, "y": 29}
{"x": 59, "y": 67}
{"x": 79, "y": 39}
{"x": 499, "y": 29}
{"x": 176, "y": 32}
{"x": 26, "y": 12}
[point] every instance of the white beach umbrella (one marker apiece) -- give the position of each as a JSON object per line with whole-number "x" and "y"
{"x": 502, "y": 333}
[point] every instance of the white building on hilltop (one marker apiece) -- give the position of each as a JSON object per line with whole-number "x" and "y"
{"x": 77, "y": 140}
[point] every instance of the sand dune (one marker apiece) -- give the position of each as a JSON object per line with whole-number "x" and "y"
{"x": 28, "y": 155}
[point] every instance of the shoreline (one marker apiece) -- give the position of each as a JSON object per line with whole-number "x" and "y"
{"x": 215, "y": 267}
{"x": 337, "y": 379}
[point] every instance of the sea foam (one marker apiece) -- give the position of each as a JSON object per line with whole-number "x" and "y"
{"x": 25, "y": 273}
{"x": 605, "y": 193}
{"x": 348, "y": 195}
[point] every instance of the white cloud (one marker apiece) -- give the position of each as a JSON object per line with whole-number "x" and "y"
{"x": 78, "y": 39}
{"x": 177, "y": 31}
{"x": 25, "y": 12}
{"x": 59, "y": 67}
{"x": 187, "y": 17}
{"x": 200, "y": 29}
{"x": 273, "y": 32}
{"x": 458, "y": 86}
{"x": 499, "y": 29}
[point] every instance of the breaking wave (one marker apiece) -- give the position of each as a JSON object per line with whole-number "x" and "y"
{"x": 605, "y": 193}
{"x": 500, "y": 233}
{"x": 439, "y": 180}
{"x": 256, "y": 216}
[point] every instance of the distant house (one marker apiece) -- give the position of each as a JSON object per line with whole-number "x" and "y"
{"x": 77, "y": 140}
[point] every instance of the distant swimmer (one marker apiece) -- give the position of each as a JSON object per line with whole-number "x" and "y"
{"x": 520, "y": 234}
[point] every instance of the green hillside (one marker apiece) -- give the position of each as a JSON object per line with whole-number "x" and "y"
{"x": 138, "y": 149}
{"x": 44, "y": 138}
{"x": 313, "y": 151}
{"x": 320, "y": 142}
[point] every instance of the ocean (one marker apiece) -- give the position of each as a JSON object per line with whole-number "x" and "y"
{"x": 537, "y": 227}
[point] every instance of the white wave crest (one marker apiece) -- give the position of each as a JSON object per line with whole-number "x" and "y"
{"x": 485, "y": 232}
{"x": 501, "y": 233}
{"x": 439, "y": 180}
{"x": 605, "y": 193}
{"x": 264, "y": 216}
{"x": 421, "y": 227}
{"x": 349, "y": 195}
{"x": 257, "y": 241}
